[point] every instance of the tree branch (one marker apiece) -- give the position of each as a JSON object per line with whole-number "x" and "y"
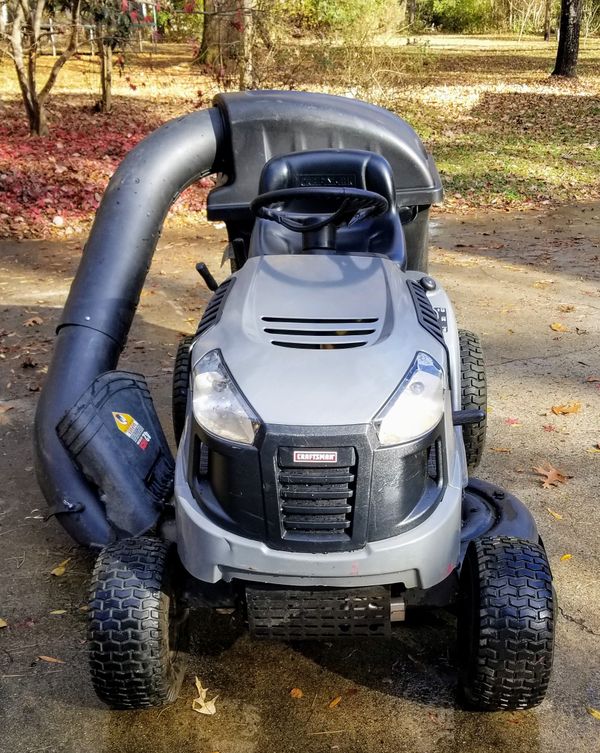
{"x": 66, "y": 55}
{"x": 17, "y": 48}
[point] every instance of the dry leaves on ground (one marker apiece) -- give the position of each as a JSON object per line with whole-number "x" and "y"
{"x": 35, "y": 321}
{"x": 558, "y": 327}
{"x": 3, "y": 623}
{"x": 335, "y": 702}
{"x": 593, "y": 712}
{"x": 551, "y": 476}
{"x": 565, "y": 557}
{"x": 563, "y": 410}
{"x": 200, "y": 704}
{"x": 512, "y": 421}
{"x": 61, "y": 568}
{"x": 555, "y": 515}
{"x": 51, "y": 659}
{"x": 296, "y": 693}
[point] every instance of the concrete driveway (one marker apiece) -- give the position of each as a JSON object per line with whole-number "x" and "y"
{"x": 511, "y": 276}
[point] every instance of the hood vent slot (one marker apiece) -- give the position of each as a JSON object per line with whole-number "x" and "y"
{"x": 320, "y": 334}
{"x": 212, "y": 313}
{"x": 426, "y": 314}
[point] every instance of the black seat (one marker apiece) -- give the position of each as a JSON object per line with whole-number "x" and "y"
{"x": 381, "y": 235}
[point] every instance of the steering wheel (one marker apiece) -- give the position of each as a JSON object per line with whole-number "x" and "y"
{"x": 354, "y": 204}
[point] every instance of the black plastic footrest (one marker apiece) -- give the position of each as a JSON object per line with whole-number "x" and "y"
{"x": 322, "y": 613}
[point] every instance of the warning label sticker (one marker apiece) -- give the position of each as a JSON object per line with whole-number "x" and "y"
{"x": 132, "y": 429}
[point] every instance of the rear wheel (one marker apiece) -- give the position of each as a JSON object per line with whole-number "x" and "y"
{"x": 473, "y": 392}
{"x": 181, "y": 385}
{"x": 137, "y": 626}
{"x": 505, "y": 624}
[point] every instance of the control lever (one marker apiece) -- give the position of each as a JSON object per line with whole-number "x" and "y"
{"x": 205, "y": 274}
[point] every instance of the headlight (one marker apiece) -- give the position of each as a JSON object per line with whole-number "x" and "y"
{"x": 416, "y": 406}
{"x": 219, "y": 407}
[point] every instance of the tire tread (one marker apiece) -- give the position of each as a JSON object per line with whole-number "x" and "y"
{"x": 508, "y": 663}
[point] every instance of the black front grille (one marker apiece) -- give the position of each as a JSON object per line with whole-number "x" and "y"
{"x": 316, "y": 500}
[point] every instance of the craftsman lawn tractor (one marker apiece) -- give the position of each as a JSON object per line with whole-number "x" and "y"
{"x": 328, "y": 412}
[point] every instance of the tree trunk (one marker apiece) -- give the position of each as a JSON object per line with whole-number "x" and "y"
{"x": 38, "y": 123}
{"x": 547, "y": 9}
{"x": 246, "y": 57}
{"x": 3, "y": 18}
{"x": 221, "y": 46}
{"x": 25, "y": 48}
{"x": 106, "y": 68}
{"x": 411, "y": 12}
{"x": 568, "y": 41}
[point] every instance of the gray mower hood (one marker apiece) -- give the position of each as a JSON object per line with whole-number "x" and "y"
{"x": 318, "y": 340}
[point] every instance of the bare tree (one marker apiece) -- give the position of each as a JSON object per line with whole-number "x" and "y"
{"x": 547, "y": 11}
{"x": 568, "y": 40}
{"x": 246, "y": 63}
{"x": 25, "y": 47}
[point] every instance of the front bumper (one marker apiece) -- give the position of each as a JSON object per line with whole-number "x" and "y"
{"x": 420, "y": 557}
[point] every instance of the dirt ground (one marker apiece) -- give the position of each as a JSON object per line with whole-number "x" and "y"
{"x": 511, "y": 276}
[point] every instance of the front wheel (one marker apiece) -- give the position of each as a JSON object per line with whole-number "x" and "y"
{"x": 181, "y": 385}
{"x": 137, "y": 628}
{"x": 505, "y": 624}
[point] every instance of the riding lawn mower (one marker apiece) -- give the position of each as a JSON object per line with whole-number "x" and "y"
{"x": 328, "y": 413}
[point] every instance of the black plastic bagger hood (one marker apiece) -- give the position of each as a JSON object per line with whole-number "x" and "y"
{"x": 265, "y": 124}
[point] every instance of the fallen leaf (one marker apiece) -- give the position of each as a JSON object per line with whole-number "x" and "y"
{"x": 60, "y": 569}
{"x": 593, "y": 379}
{"x": 512, "y": 421}
{"x": 566, "y": 308}
{"x": 5, "y": 408}
{"x": 558, "y": 327}
{"x": 593, "y": 712}
{"x": 200, "y": 704}
{"x": 549, "y": 427}
{"x": 336, "y": 702}
{"x": 3, "y": 623}
{"x": 58, "y": 611}
{"x": 296, "y": 693}
{"x": 28, "y": 363}
{"x": 51, "y": 659}
{"x": 554, "y": 514}
{"x": 565, "y": 557}
{"x": 500, "y": 449}
{"x": 562, "y": 410}
{"x": 34, "y": 321}
{"x": 595, "y": 448}
{"x": 552, "y": 476}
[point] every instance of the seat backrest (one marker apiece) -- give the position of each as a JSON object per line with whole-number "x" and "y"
{"x": 382, "y": 235}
